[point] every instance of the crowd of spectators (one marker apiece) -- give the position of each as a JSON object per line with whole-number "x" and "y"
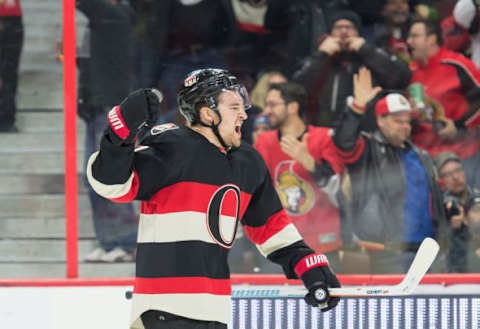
{"x": 104, "y": 79}
{"x": 366, "y": 112}
{"x": 367, "y": 120}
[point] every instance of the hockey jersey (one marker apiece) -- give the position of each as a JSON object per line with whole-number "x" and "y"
{"x": 193, "y": 197}
{"x": 313, "y": 209}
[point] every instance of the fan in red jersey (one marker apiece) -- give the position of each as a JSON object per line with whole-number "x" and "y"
{"x": 305, "y": 168}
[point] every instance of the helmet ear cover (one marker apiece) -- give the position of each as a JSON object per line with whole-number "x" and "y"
{"x": 202, "y": 88}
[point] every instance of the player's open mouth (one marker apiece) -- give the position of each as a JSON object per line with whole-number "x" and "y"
{"x": 238, "y": 130}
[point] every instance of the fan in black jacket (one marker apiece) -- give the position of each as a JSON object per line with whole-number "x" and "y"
{"x": 327, "y": 73}
{"x": 395, "y": 198}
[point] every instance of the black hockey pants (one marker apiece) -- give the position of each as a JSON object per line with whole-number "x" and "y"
{"x": 164, "y": 320}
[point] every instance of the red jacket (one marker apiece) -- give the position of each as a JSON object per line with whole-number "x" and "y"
{"x": 454, "y": 81}
{"x": 10, "y": 8}
{"x": 310, "y": 208}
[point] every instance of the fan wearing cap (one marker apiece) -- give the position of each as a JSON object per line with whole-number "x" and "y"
{"x": 395, "y": 200}
{"x": 462, "y": 205}
{"x": 327, "y": 73}
{"x": 393, "y": 114}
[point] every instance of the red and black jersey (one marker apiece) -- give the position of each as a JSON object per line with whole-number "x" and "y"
{"x": 313, "y": 211}
{"x": 193, "y": 196}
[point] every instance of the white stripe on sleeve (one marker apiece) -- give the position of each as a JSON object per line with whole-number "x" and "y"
{"x": 283, "y": 238}
{"x": 107, "y": 191}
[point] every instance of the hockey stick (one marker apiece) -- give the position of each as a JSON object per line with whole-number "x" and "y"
{"x": 423, "y": 260}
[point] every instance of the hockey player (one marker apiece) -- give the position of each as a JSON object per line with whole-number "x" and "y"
{"x": 197, "y": 183}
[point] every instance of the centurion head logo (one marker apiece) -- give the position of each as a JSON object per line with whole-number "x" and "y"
{"x": 296, "y": 194}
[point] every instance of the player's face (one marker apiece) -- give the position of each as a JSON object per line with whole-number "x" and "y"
{"x": 275, "y": 108}
{"x": 453, "y": 177}
{"x": 232, "y": 110}
{"x": 395, "y": 127}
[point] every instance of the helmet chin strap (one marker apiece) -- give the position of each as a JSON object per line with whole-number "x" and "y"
{"x": 217, "y": 133}
{"x": 214, "y": 128}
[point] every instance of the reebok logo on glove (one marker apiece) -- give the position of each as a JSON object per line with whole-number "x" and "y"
{"x": 309, "y": 262}
{"x": 116, "y": 122}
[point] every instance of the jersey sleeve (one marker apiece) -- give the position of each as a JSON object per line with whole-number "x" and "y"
{"x": 469, "y": 76}
{"x": 322, "y": 149}
{"x": 267, "y": 225}
{"x": 123, "y": 174}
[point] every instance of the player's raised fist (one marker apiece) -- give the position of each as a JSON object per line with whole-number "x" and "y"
{"x": 140, "y": 108}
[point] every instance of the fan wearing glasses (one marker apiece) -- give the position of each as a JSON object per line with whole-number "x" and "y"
{"x": 462, "y": 206}
{"x": 328, "y": 73}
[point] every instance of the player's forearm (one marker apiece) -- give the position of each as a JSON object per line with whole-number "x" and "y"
{"x": 110, "y": 171}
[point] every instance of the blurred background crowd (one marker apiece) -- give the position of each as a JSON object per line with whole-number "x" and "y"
{"x": 383, "y": 95}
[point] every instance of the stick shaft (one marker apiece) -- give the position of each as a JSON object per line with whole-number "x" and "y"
{"x": 423, "y": 260}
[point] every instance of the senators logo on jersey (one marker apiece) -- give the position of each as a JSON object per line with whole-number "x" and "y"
{"x": 296, "y": 194}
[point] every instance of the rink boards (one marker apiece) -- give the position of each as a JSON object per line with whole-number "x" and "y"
{"x": 433, "y": 306}
{"x": 420, "y": 311}
{"x": 436, "y": 306}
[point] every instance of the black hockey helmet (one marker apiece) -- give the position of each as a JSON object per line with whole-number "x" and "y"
{"x": 202, "y": 87}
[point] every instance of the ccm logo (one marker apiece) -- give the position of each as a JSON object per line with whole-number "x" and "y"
{"x": 376, "y": 292}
